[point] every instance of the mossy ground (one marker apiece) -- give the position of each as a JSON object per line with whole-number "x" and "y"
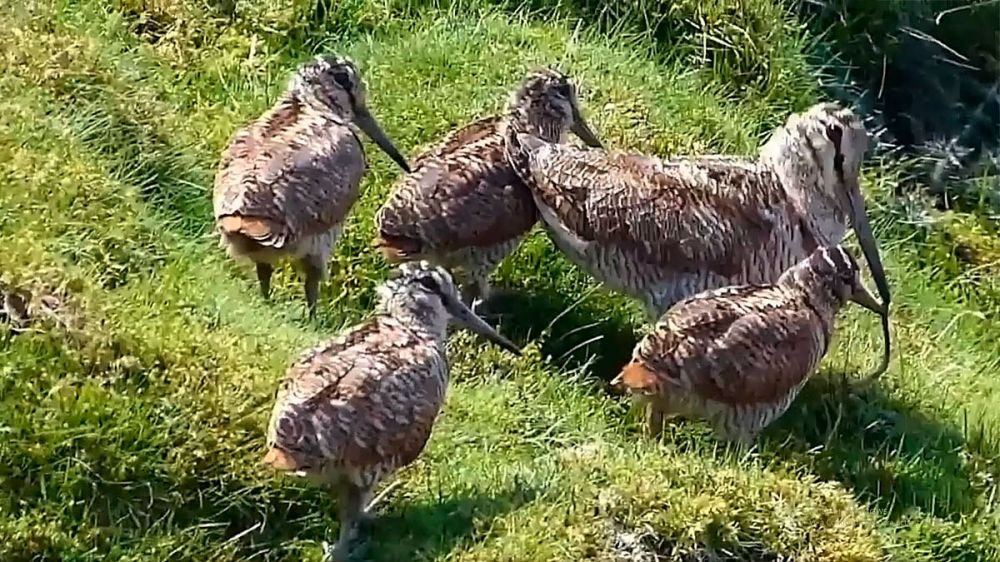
{"x": 135, "y": 435}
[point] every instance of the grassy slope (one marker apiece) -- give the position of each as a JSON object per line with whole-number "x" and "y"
{"x": 137, "y": 438}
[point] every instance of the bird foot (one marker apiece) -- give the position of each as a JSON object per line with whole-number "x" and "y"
{"x": 342, "y": 552}
{"x": 492, "y": 307}
{"x": 339, "y": 552}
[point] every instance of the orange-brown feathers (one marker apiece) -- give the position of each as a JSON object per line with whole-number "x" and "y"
{"x": 397, "y": 249}
{"x": 250, "y": 227}
{"x": 280, "y": 460}
{"x": 637, "y": 378}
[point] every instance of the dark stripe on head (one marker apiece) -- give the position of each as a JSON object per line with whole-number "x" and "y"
{"x": 835, "y": 132}
{"x": 430, "y": 277}
{"x": 536, "y": 83}
{"x": 813, "y": 153}
{"x": 839, "y": 258}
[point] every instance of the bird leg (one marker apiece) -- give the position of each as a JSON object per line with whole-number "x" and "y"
{"x": 313, "y": 273}
{"x": 743, "y": 440}
{"x": 476, "y": 293}
{"x": 474, "y": 289}
{"x": 349, "y": 503}
{"x": 654, "y": 419}
{"x": 740, "y": 437}
{"x": 264, "y": 271}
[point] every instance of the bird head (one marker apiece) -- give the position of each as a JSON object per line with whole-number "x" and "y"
{"x": 333, "y": 83}
{"x": 836, "y": 269}
{"x": 823, "y": 148}
{"x": 422, "y": 289}
{"x": 547, "y": 106}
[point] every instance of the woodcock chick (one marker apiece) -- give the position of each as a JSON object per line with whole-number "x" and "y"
{"x": 662, "y": 230}
{"x": 463, "y": 207}
{"x": 357, "y": 408}
{"x": 738, "y": 356}
{"x": 287, "y": 181}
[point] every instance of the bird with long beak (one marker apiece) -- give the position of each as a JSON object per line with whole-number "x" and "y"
{"x": 661, "y": 230}
{"x": 738, "y": 356}
{"x": 287, "y": 181}
{"x": 359, "y": 407}
{"x": 463, "y": 207}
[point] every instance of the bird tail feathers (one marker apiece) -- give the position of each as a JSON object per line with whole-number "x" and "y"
{"x": 279, "y": 459}
{"x": 397, "y": 250}
{"x": 637, "y": 378}
{"x": 248, "y": 234}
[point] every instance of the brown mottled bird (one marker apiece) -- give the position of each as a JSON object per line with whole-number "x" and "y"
{"x": 287, "y": 181}
{"x": 661, "y": 230}
{"x": 737, "y": 356}
{"x": 354, "y": 410}
{"x": 463, "y": 207}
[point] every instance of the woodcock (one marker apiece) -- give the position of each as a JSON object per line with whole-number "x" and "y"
{"x": 287, "y": 181}
{"x": 463, "y": 207}
{"x": 661, "y": 230}
{"x": 357, "y": 408}
{"x": 738, "y": 356}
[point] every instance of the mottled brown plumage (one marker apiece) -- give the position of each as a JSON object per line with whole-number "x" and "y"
{"x": 359, "y": 407}
{"x": 662, "y": 230}
{"x": 15, "y": 308}
{"x": 463, "y": 207}
{"x": 287, "y": 181}
{"x": 27, "y": 308}
{"x": 738, "y": 356}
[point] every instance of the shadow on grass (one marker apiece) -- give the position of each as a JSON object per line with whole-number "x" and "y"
{"x": 430, "y": 529}
{"x": 574, "y": 333}
{"x": 881, "y": 448}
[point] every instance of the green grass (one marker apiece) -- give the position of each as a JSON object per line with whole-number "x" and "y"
{"x": 136, "y": 435}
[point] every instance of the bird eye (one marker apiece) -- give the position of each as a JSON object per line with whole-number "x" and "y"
{"x": 564, "y": 90}
{"x": 430, "y": 284}
{"x": 835, "y": 134}
{"x": 342, "y": 78}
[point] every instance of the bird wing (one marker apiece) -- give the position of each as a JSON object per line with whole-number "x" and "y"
{"x": 292, "y": 173}
{"x": 363, "y": 398}
{"x": 738, "y": 345}
{"x": 682, "y": 214}
{"x": 699, "y": 318}
{"x": 456, "y": 139}
{"x": 462, "y": 193}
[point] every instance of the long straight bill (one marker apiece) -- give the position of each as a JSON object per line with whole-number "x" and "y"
{"x": 367, "y": 123}
{"x": 467, "y": 318}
